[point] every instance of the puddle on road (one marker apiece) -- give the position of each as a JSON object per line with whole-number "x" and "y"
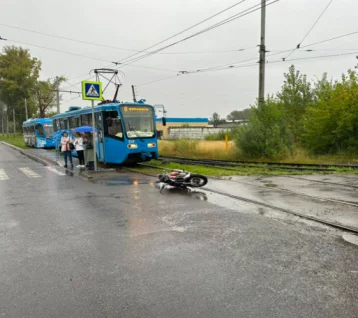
{"x": 121, "y": 181}
{"x": 271, "y": 185}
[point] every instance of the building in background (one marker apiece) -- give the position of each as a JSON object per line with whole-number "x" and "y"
{"x": 179, "y": 123}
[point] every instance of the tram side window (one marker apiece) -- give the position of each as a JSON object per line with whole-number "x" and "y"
{"x": 40, "y": 131}
{"x": 62, "y": 124}
{"x": 86, "y": 120}
{"x": 56, "y": 124}
{"x": 74, "y": 122}
{"x": 112, "y": 125}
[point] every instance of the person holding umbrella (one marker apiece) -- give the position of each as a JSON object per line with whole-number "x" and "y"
{"x": 88, "y": 144}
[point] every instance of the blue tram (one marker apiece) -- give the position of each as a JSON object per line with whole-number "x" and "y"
{"x": 125, "y": 132}
{"x": 38, "y": 133}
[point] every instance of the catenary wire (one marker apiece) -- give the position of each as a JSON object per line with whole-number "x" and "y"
{"x": 119, "y": 48}
{"x": 309, "y": 31}
{"x": 230, "y": 19}
{"x": 187, "y": 29}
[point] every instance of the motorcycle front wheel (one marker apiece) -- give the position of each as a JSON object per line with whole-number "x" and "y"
{"x": 197, "y": 181}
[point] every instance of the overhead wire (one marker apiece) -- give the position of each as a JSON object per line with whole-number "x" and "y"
{"x": 223, "y": 22}
{"x": 285, "y": 51}
{"x": 88, "y": 57}
{"x": 251, "y": 65}
{"x": 309, "y": 31}
{"x": 115, "y": 47}
{"x": 67, "y": 38}
{"x": 187, "y": 29}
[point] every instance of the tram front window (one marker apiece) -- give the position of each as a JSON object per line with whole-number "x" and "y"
{"x": 138, "y": 121}
{"x": 48, "y": 130}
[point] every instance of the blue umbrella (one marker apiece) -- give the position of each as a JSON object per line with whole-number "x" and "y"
{"x": 83, "y": 129}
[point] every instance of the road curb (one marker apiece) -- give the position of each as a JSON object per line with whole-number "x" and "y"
{"x": 31, "y": 156}
{"x": 49, "y": 162}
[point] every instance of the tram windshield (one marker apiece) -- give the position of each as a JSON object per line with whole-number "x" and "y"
{"x": 48, "y": 130}
{"x": 138, "y": 121}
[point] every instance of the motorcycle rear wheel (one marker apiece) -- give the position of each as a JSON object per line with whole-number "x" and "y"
{"x": 197, "y": 181}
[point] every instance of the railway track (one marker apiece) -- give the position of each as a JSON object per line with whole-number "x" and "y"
{"x": 230, "y": 165}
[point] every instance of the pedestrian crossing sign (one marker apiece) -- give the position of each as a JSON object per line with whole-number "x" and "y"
{"x": 91, "y": 90}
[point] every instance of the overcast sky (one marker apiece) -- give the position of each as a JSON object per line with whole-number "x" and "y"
{"x": 138, "y": 24}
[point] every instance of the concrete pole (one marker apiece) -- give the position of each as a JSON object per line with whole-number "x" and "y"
{"x": 58, "y": 96}
{"x": 94, "y": 138}
{"x": 7, "y": 125}
{"x": 262, "y": 54}
{"x": 133, "y": 92}
{"x": 27, "y": 115}
{"x": 2, "y": 123}
{"x": 13, "y": 114}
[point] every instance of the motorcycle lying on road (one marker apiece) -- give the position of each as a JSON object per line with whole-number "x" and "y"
{"x": 181, "y": 179}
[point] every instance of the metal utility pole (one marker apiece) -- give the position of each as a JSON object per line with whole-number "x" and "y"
{"x": 58, "y": 96}
{"x": 262, "y": 54}
{"x": 133, "y": 92}
{"x": 27, "y": 115}
{"x": 94, "y": 138}
{"x": 13, "y": 114}
{"x": 2, "y": 123}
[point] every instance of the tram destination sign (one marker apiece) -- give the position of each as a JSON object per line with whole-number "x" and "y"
{"x": 136, "y": 109}
{"x": 91, "y": 90}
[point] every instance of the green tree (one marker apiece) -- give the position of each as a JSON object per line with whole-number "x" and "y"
{"x": 215, "y": 119}
{"x": 295, "y": 96}
{"x": 18, "y": 75}
{"x": 239, "y": 114}
{"x": 44, "y": 94}
{"x": 331, "y": 124}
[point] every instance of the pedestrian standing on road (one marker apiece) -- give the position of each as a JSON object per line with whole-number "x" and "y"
{"x": 66, "y": 145}
{"x": 79, "y": 149}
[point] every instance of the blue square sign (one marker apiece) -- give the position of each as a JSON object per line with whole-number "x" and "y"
{"x": 91, "y": 90}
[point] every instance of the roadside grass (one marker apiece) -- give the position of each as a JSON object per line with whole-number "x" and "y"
{"x": 16, "y": 141}
{"x": 206, "y": 149}
{"x": 198, "y": 149}
{"x": 259, "y": 170}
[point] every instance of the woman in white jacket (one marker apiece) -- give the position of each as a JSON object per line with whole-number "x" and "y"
{"x": 66, "y": 149}
{"x": 79, "y": 150}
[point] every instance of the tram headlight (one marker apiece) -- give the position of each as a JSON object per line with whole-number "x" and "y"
{"x": 151, "y": 145}
{"x": 132, "y": 146}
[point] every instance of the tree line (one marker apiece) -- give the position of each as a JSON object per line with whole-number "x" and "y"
{"x": 20, "y": 80}
{"x": 319, "y": 116}
{"x": 216, "y": 120}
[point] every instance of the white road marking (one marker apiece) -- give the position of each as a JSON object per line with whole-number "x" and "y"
{"x": 29, "y": 173}
{"x": 59, "y": 173}
{"x": 3, "y": 175}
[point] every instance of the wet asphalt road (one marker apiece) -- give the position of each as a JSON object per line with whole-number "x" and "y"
{"x": 69, "y": 248}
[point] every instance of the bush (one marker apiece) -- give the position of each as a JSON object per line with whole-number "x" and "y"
{"x": 266, "y": 135}
{"x": 221, "y": 135}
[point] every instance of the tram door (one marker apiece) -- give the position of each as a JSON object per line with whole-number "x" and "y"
{"x": 100, "y": 139}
